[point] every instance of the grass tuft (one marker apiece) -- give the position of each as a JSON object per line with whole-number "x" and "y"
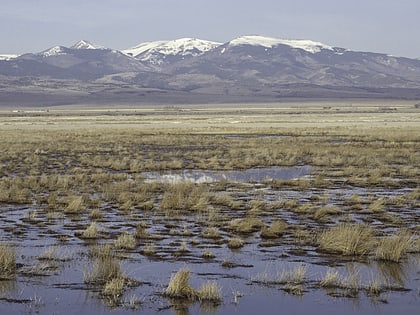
{"x": 331, "y": 279}
{"x": 179, "y": 286}
{"x": 393, "y": 248}
{"x": 276, "y": 229}
{"x": 91, "y": 231}
{"x": 347, "y": 239}
{"x": 125, "y": 241}
{"x": 114, "y": 287}
{"x": 210, "y": 292}
{"x": 105, "y": 267}
{"x": 295, "y": 276}
{"x": 235, "y": 243}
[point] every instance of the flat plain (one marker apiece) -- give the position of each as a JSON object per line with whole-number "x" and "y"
{"x": 307, "y": 206}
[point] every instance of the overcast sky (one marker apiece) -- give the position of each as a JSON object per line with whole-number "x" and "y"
{"x": 387, "y": 26}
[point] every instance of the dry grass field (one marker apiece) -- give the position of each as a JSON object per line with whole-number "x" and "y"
{"x": 129, "y": 205}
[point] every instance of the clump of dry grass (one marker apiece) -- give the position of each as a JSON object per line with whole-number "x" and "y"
{"x": 102, "y": 250}
{"x": 303, "y": 237}
{"x": 394, "y": 247}
{"x": 294, "y": 276}
{"x": 75, "y": 205}
{"x": 355, "y": 202}
{"x": 142, "y": 233}
{"x": 276, "y": 229}
{"x": 246, "y": 225}
{"x": 114, "y": 287}
{"x": 211, "y": 232}
{"x": 331, "y": 280}
{"x": 91, "y": 231}
{"x": 322, "y": 214}
{"x": 347, "y": 239}
{"x": 377, "y": 206}
{"x": 105, "y": 267}
{"x": 235, "y": 243}
{"x": 184, "y": 196}
{"x": 179, "y": 286}
{"x": 7, "y": 261}
{"x": 96, "y": 214}
{"x": 210, "y": 292}
{"x": 125, "y": 241}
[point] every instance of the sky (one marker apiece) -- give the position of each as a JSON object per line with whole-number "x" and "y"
{"x": 385, "y": 26}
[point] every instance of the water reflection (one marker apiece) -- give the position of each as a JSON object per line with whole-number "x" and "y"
{"x": 241, "y": 176}
{"x": 180, "y": 307}
{"x": 392, "y": 273}
{"x": 7, "y": 287}
{"x": 185, "y": 307}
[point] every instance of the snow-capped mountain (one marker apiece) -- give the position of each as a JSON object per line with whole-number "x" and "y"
{"x": 81, "y": 61}
{"x": 249, "y": 67}
{"x": 84, "y": 44}
{"x": 62, "y": 50}
{"x": 54, "y": 51}
{"x": 269, "y": 42}
{"x": 160, "y": 52}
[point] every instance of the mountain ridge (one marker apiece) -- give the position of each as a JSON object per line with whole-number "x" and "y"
{"x": 247, "y": 67}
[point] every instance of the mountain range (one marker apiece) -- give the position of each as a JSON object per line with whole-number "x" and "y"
{"x": 248, "y": 68}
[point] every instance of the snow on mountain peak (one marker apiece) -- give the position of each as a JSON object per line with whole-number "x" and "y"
{"x": 7, "y": 56}
{"x": 54, "y": 51}
{"x": 84, "y": 44}
{"x": 269, "y": 42}
{"x": 182, "y": 46}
